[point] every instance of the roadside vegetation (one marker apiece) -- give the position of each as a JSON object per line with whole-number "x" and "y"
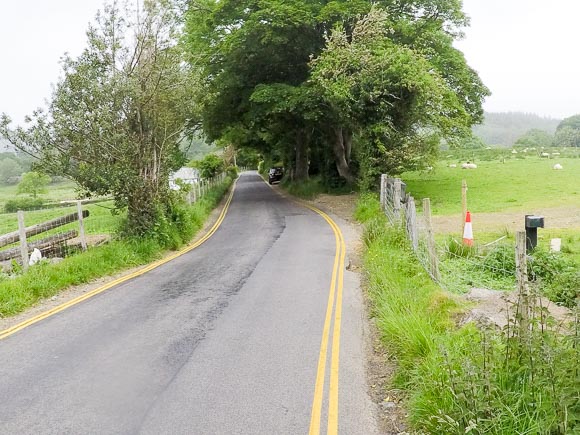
{"x": 461, "y": 379}
{"x": 44, "y": 280}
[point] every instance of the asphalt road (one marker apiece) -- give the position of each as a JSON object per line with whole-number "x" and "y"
{"x": 225, "y": 339}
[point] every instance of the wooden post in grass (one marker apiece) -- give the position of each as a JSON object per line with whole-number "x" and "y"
{"x": 383, "y": 191}
{"x": 23, "y": 243}
{"x": 463, "y": 203}
{"x": 431, "y": 249}
{"x": 411, "y": 221}
{"x": 81, "y": 226}
{"x": 397, "y": 200}
{"x": 522, "y": 282}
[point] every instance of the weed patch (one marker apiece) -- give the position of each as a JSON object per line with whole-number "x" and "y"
{"x": 465, "y": 380}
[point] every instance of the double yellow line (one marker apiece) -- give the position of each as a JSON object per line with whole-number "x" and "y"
{"x": 334, "y": 303}
{"x": 14, "y": 329}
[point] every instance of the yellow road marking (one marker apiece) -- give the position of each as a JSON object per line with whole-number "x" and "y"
{"x": 335, "y": 295}
{"x": 320, "y": 373}
{"x": 14, "y": 329}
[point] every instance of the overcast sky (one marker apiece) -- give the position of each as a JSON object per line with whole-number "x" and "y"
{"x": 525, "y": 51}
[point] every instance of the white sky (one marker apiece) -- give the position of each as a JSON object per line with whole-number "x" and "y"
{"x": 34, "y": 34}
{"x": 524, "y": 50}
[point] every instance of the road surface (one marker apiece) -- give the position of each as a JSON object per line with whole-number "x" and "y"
{"x": 238, "y": 336}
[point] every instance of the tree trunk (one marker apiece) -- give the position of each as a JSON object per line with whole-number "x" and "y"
{"x": 342, "y": 146}
{"x": 142, "y": 209}
{"x": 301, "y": 172}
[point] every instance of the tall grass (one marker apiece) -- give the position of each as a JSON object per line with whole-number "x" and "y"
{"x": 463, "y": 379}
{"x": 45, "y": 280}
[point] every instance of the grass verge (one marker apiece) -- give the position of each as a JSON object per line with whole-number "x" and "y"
{"x": 45, "y": 280}
{"x": 462, "y": 380}
{"x": 313, "y": 187}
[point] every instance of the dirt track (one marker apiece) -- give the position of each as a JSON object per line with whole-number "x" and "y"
{"x": 561, "y": 217}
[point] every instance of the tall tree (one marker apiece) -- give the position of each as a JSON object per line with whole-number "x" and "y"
{"x": 568, "y": 132}
{"x": 256, "y": 55}
{"x": 116, "y": 118}
{"x": 33, "y": 183}
{"x": 392, "y": 95}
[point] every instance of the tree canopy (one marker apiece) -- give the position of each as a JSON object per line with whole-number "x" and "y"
{"x": 536, "y": 138}
{"x": 568, "y": 132}
{"x": 34, "y": 183}
{"x": 256, "y": 58}
{"x": 116, "y": 118}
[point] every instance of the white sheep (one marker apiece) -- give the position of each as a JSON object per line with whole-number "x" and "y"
{"x": 558, "y": 166}
{"x": 545, "y": 155}
{"x": 469, "y": 166}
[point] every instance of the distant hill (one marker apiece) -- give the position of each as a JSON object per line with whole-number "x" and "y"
{"x": 504, "y": 128}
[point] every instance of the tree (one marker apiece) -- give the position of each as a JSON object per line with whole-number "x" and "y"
{"x": 536, "y": 138}
{"x": 116, "y": 118}
{"x": 391, "y": 95}
{"x": 33, "y": 183}
{"x": 568, "y": 132}
{"x": 256, "y": 63}
{"x": 9, "y": 170}
{"x": 210, "y": 166}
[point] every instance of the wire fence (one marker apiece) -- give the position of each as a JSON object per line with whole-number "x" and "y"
{"x": 61, "y": 229}
{"x": 451, "y": 263}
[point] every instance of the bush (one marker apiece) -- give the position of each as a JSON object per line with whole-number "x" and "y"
{"x": 13, "y": 205}
{"x": 564, "y": 289}
{"x": 232, "y": 172}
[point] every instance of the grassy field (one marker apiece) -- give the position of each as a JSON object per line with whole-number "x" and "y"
{"x": 56, "y": 192}
{"x": 101, "y": 220}
{"x": 517, "y": 184}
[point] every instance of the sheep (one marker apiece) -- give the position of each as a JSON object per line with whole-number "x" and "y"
{"x": 514, "y": 151}
{"x": 468, "y": 165}
{"x": 558, "y": 166}
{"x": 545, "y": 155}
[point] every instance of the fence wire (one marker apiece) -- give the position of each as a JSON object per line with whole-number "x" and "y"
{"x": 451, "y": 264}
{"x": 57, "y": 231}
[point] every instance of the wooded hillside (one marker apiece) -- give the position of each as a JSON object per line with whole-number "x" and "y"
{"x": 504, "y": 128}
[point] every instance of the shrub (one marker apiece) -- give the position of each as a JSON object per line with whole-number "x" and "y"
{"x": 13, "y": 205}
{"x": 232, "y": 172}
{"x": 564, "y": 289}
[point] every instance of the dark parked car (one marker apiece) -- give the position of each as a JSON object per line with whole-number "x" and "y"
{"x": 275, "y": 174}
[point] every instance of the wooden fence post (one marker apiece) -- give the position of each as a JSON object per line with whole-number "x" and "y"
{"x": 23, "y": 243}
{"x": 81, "y": 226}
{"x": 383, "y": 191}
{"x": 522, "y": 281}
{"x": 411, "y": 220}
{"x": 397, "y": 200}
{"x": 463, "y": 203}
{"x": 433, "y": 260}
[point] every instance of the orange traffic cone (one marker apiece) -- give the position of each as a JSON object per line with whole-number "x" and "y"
{"x": 468, "y": 231}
